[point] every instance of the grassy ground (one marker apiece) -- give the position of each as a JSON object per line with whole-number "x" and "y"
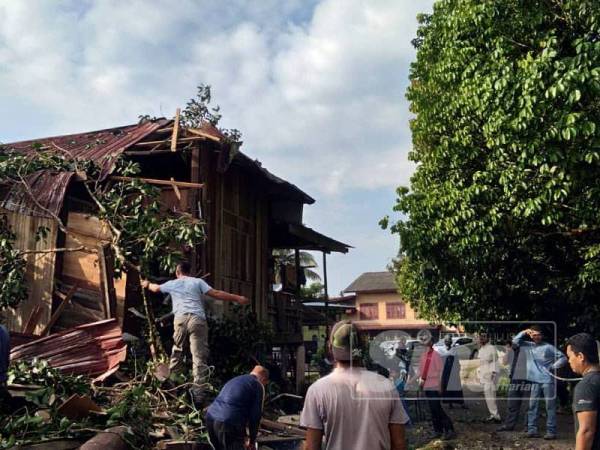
{"x": 473, "y": 434}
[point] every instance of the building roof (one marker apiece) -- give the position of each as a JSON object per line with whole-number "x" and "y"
{"x": 344, "y": 299}
{"x": 96, "y": 145}
{"x": 102, "y": 147}
{"x": 373, "y": 282}
{"x": 321, "y": 304}
{"x": 297, "y": 236}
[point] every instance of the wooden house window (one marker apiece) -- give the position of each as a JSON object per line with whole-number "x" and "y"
{"x": 369, "y": 311}
{"x": 395, "y": 310}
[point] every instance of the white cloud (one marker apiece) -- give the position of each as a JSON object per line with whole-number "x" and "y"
{"x": 317, "y": 87}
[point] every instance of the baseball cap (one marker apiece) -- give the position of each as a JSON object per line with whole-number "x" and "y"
{"x": 344, "y": 341}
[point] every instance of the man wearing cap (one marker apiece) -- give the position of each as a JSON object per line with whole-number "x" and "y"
{"x": 352, "y": 408}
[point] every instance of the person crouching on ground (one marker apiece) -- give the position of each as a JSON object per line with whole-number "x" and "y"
{"x": 353, "y": 408}
{"x": 238, "y": 405}
{"x": 190, "y": 328}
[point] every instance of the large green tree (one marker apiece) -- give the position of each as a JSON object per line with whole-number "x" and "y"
{"x": 503, "y": 211}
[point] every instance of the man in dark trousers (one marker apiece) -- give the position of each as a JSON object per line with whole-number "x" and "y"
{"x": 582, "y": 352}
{"x": 430, "y": 373}
{"x": 519, "y": 388}
{"x": 238, "y": 405}
{"x": 542, "y": 359}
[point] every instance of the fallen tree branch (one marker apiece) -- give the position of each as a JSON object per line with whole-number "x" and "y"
{"x": 53, "y": 250}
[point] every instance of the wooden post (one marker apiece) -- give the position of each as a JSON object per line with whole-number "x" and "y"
{"x": 298, "y": 272}
{"x": 194, "y": 198}
{"x": 326, "y": 297}
{"x": 300, "y": 368}
{"x": 107, "y": 285}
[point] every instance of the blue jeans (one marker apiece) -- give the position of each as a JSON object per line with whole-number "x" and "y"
{"x": 547, "y": 391}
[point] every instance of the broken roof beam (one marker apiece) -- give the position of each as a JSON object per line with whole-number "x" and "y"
{"x": 175, "y": 131}
{"x": 166, "y": 141}
{"x": 147, "y": 153}
{"x": 195, "y": 131}
{"x": 171, "y": 183}
{"x": 200, "y": 133}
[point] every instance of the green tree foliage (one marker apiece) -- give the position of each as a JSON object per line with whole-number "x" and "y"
{"x": 288, "y": 258}
{"x": 502, "y": 213}
{"x": 140, "y": 228}
{"x": 237, "y": 341}
{"x": 198, "y": 112}
{"x": 314, "y": 290}
{"x": 12, "y": 268}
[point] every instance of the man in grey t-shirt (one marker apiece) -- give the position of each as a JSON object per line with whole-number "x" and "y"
{"x": 190, "y": 329}
{"x": 353, "y": 408}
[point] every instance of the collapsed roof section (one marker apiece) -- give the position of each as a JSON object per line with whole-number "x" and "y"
{"x": 144, "y": 139}
{"x": 47, "y": 190}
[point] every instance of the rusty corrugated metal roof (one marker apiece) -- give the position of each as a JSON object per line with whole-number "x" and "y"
{"x": 89, "y": 349}
{"x": 94, "y": 145}
{"x": 102, "y": 146}
{"x": 48, "y": 189}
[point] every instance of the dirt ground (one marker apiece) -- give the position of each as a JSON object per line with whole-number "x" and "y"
{"x": 473, "y": 434}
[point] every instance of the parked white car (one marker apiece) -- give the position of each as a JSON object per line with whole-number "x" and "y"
{"x": 465, "y": 347}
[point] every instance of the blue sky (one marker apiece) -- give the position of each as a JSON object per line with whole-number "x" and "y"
{"x": 316, "y": 87}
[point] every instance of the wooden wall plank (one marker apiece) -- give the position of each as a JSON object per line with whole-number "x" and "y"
{"x": 39, "y": 274}
{"x": 84, "y": 268}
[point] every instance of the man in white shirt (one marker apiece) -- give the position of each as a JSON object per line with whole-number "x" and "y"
{"x": 488, "y": 375}
{"x": 353, "y": 408}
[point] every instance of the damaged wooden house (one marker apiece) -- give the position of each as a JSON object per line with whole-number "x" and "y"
{"x": 248, "y": 212}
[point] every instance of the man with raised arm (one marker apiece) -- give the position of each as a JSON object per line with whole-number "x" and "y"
{"x": 542, "y": 359}
{"x": 190, "y": 328}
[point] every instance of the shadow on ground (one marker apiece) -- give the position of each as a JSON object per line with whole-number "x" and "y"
{"x": 473, "y": 434}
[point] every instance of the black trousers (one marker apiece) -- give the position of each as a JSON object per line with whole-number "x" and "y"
{"x": 223, "y": 436}
{"x": 440, "y": 420}
{"x": 518, "y": 393}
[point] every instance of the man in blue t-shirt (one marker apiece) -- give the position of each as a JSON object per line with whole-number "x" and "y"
{"x": 187, "y": 294}
{"x": 238, "y": 405}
